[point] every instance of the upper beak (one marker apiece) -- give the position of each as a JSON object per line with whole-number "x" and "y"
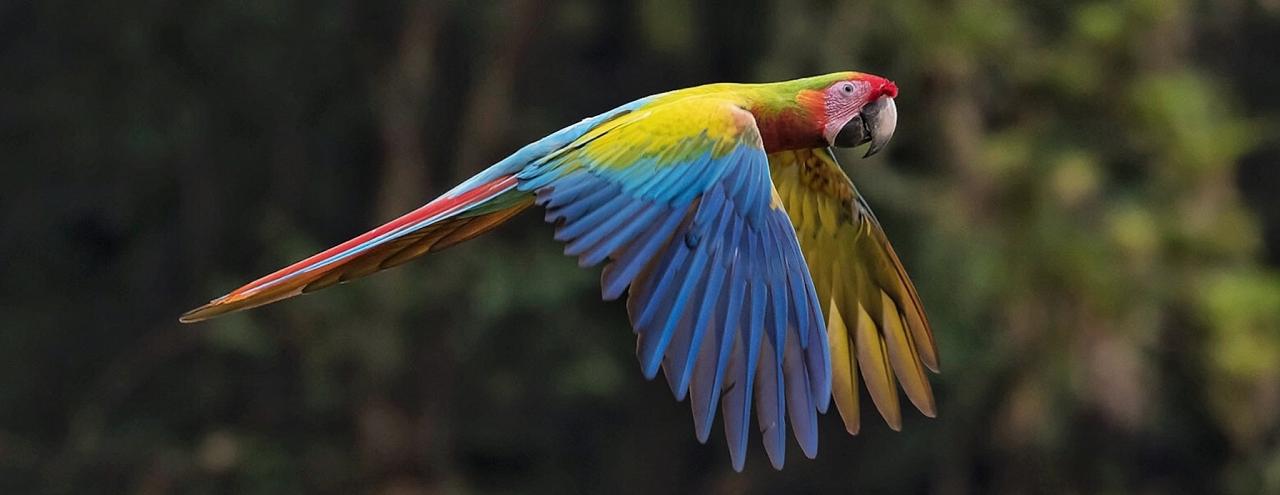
{"x": 874, "y": 124}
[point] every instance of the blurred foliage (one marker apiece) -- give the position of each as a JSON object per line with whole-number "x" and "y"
{"x": 1085, "y": 193}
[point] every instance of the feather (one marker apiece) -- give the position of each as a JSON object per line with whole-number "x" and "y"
{"x": 738, "y": 405}
{"x": 572, "y": 211}
{"x": 844, "y": 379}
{"x": 603, "y": 217}
{"x": 719, "y": 248}
{"x": 727, "y": 333}
{"x": 902, "y": 356}
{"x": 566, "y": 190}
{"x": 368, "y": 253}
{"x": 684, "y": 362}
{"x": 690, "y": 278}
{"x": 875, "y": 322}
{"x": 736, "y": 399}
{"x": 662, "y": 297}
{"x": 681, "y": 344}
{"x": 612, "y": 237}
{"x": 801, "y": 409}
{"x": 771, "y": 403}
{"x": 627, "y": 267}
{"x": 875, "y": 370}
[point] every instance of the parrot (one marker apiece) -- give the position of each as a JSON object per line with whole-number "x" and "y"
{"x": 755, "y": 273}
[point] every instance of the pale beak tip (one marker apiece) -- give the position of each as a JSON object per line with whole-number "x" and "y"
{"x": 883, "y": 123}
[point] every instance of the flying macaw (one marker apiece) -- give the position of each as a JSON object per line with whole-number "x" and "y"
{"x": 752, "y": 265}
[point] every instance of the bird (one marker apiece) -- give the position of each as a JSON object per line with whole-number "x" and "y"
{"x": 755, "y": 273}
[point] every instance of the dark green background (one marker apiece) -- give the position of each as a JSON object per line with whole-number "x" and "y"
{"x": 1086, "y": 193}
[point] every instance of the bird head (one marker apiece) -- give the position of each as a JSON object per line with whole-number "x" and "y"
{"x": 854, "y": 109}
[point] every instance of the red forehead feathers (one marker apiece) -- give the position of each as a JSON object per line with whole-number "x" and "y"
{"x": 879, "y": 86}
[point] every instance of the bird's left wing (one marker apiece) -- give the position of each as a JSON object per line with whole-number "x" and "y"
{"x": 875, "y": 322}
{"x": 676, "y": 196}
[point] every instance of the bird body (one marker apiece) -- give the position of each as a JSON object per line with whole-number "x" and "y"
{"x": 755, "y": 273}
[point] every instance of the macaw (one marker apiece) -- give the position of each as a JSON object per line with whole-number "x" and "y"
{"x": 753, "y": 268}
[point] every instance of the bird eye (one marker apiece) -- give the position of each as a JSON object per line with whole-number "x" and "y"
{"x": 847, "y": 88}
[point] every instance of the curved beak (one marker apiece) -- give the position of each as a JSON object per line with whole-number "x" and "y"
{"x": 874, "y": 124}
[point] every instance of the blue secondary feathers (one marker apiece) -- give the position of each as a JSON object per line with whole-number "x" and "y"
{"x": 627, "y": 266}
{"x": 613, "y": 233}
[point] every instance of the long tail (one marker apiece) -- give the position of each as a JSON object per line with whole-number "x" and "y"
{"x": 467, "y": 211}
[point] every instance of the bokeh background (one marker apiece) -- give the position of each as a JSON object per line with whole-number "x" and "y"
{"x": 1086, "y": 193}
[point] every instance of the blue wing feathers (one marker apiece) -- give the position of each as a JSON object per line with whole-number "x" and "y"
{"x": 716, "y": 278}
{"x": 705, "y": 364}
{"x": 572, "y": 211}
{"x": 770, "y": 401}
{"x": 584, "y": 232}
{"x": 665, "y": 286}
{"x": 755, "y": 326}
{"x": 655, "y": 290}
{"x": 725, "y": 333}
{"x": 695, "y": 296}
{"x": 567, "y": 189}
{"x": 621, "y": 231}
{"x": 818, "y": 355}
{"x": 686, "y": 280}
{"x": 737, "y": 401}
{"x": 710, "y": 297}
{"x": 689, "y": 279}
{"x": 800, "y": 405}
{"x": 709, "y": 303}
{"x": 681, "y": 343}
{"x": 627, "y": 267}
{"x": 799, "y": 303}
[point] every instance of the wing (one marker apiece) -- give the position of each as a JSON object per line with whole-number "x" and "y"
{"x": 874, "y": 319}
{"x": 675, "y": 196}
{"x": 435, "y": 226}
{"x": 468, "y": 210}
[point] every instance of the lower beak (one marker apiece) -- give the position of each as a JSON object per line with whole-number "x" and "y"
{"x": 874, "y": 124}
